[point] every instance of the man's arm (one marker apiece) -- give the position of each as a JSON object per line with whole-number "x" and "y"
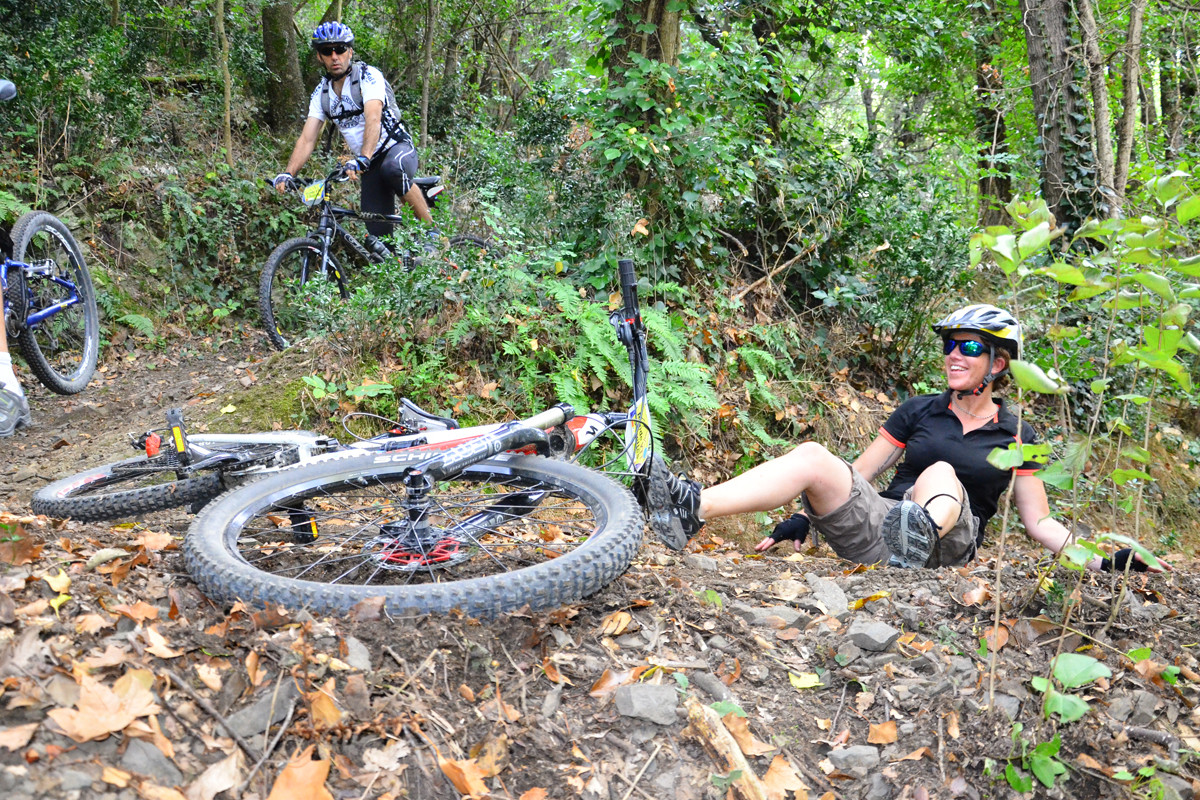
{"x": 305, "y": 144}
{"x": 373, "y": 113}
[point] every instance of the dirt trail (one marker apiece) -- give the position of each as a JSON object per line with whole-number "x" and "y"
{"x": 860, "y": 684}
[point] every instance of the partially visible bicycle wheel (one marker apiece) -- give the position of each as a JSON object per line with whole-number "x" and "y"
{"x": 63, "y": 347}
{"x": 145, "y": 484}
{"x": 507, "y": 532}
{"x": 295, "y": 299}
{"x": 470, "y": 251}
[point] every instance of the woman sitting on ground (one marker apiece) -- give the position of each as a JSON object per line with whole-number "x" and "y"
{"x": 944, "y": 491}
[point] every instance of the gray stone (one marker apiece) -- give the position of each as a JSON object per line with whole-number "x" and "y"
{"x": 859, "y": 756}
{"x": 1148, "y": 612}
{"x": 878, "y": 788}
{"x": 761, "y": 616}
{"x": 146, "y": 759}
{"x": 720, "y": 643}
{"x": 961, "y": 667}
{"x": 848, "y": 652}
{"x": 702, "y": 563}
{"x": 12, "y": 781}
{"x": 829, "y": 594}
{"x": 712, "y": 685}
{"x": 872, "y": 635}
{"x": 1009, "y": 705}
{"x": 908, "y": 613}
{"x": 265, "y": 712}
{"x": 1144, "y": 705}
{"x": 357, "y": 654}
{"x": 645, "y": 701}
{"x": 73, "y": 780}
{"x": 1120, "y": 707}
{"x": 1175, "y": 786}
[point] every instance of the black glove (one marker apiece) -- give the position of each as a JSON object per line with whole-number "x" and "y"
{"x": 286, "y": 179}
{"x": 360, "y": 163}
{"x": 794, "y": 528}
{"x": 1120, "y": 559}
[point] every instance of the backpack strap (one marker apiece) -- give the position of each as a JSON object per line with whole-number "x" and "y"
{"x": 355, "y": 78}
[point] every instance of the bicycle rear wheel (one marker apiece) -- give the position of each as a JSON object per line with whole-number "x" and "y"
{"x": 145, "y": 484}
{"x": 295, "y": 299}
{"x": 507, "y": 532}
{"x": 61, "y": 349}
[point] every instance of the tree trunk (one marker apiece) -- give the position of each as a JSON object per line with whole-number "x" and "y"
{"x": 223, "y": 43}
{"x": 427, "y": 68}
{"x": 285, "y": 87}
{"x": 1101, "y": 116}
{"x": 1171, "y": 99}
{"x": 995, "y": 173}
{"x": 633, "y": 35}
{"x": 1066, "y": 157}
{"x": 1129, "y": 80}
{"x": 114, "y": 12}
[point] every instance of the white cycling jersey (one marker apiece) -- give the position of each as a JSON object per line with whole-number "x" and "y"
{"x": 354, "y": 126}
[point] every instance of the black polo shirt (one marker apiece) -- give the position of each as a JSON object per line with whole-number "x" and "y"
{"x": 928, "y": 431}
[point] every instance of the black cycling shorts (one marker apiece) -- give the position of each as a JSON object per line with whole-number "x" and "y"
{"x": 390, "y": 174}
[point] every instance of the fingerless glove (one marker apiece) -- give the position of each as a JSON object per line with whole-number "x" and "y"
{"x": 793, "y": 528}
{"x": 1120, "y": 559}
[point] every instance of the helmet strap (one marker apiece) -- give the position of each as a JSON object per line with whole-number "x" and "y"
{"x": 987, "y": 381}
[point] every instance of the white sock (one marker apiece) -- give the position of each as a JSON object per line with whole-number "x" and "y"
{"x": 8, "y": 378}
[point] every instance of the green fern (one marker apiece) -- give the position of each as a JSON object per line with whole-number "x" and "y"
{"x": 139, "y": 323}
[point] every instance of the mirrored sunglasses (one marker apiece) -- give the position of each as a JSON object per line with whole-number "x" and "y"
{"x": 968, "y": 347}
{"x": 330, "y": 49}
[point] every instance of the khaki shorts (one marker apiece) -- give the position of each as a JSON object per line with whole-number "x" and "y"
{"x": 853, "y": 528}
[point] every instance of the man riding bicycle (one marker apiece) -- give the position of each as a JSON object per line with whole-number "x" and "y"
{"x": 357, "y": 97}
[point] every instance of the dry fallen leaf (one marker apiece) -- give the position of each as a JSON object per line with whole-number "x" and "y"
{"x": 610, "y": 681}
{"x": 491, "y": 754}
{"x": 499, "y": 711}
{"x": 615, "y": 623}
{"x": 465, "y": 775}
{"x": 154, "y": 540}
{"x": 916, "y": 755}
{"x": 952, "y": 724}
{"x": 325, "y": 713}
{"x": 976, "y": 595}
{"x": 210, "y": 676}
{"x": 220, "y": 777}
{"x": 90, "y": 623}
{"x": 101, "y": 710}
{"x": 60, "y": 582}
{"x": 536, "y": 793}
{"x": 302, "y": 779}
{"x": 254, "y": 671}
{"x": 157, "y": 644}
{"x": 883, "y": 733}
{"x": 138, "y": 612}
{"x": 466, "y": 693}
{"x": 551, "y": 670}
{"x": 781, "y": 778}
{"x": 996, "y": 638}
{"x": 17, "y": 737}
{"x": 739, "y": 727}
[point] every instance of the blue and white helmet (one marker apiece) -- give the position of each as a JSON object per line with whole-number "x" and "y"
{"x": 332, "y": 33}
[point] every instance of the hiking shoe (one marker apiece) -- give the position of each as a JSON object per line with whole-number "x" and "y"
{"x": 14, "y": 412}
{"x": 674, "y": 504}
{"x": 910, "y": 534}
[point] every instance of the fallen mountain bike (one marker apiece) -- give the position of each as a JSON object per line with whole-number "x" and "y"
{"x": 431, "y": 516}
{"x": 307, "y": 280}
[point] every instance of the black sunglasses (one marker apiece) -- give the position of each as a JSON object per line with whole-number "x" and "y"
{"x": 330, "y": 49}
{"x": 968, "y": 347}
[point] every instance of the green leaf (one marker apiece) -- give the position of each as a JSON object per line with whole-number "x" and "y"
{"x": 612, "y": 153}
{"x": 1029, "y": 376}
{"x": 1188, "y": 210}
{"x": 1034, "y": 240}
{"x": 1123, "y": 476}
{"x": 1155, "y": 283}
{"x": 728, "y": 707}
{"x": 1065, "y": 273}
{"x": 1069, "y": 707}
{"x": 1076, "y": 669}
{"x": 1046, "y": 768}
{"x": 1136, "y": 453}
{"x": 1057, "y": 475}
{"x": 1133, "y": 544}
{"x": 1019, "y": 781}
{"x": 1140, "y": 654}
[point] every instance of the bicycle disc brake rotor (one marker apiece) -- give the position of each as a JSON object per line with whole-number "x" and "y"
{"x": 665, "y": 524}
{"x": 399, "y": 547}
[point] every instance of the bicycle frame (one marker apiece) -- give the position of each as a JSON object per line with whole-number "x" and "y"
{"x": 41, "y": 315}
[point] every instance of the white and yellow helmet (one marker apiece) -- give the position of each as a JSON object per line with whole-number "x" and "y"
{"x": 994, "y": 325}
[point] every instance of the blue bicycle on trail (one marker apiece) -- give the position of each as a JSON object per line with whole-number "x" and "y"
{"x": 49, "y": 302}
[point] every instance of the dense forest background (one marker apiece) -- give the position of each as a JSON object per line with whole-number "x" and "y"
{"x": 806, "y": 185}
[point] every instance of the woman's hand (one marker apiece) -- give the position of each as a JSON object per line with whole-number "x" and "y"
{"x": 794, "y": 528}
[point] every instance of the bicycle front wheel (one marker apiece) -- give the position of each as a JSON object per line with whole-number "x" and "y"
{"x": 507, "y": 532}
{"x": 61, "y": 348}
{"x": 296, "y": 298}
{"x": 145, "y": 484}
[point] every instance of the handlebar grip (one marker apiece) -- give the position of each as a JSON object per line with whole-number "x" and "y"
{"x": 628, "y": 287}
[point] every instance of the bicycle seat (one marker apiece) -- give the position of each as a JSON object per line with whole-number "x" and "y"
{"x": 427, "y": 182}
{"x": 416, "y": 417}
